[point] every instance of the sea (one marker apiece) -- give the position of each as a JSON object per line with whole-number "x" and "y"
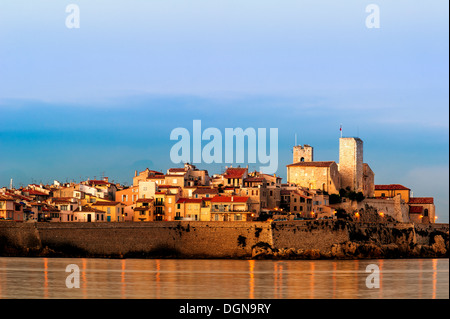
{"x": 85, "y": 278}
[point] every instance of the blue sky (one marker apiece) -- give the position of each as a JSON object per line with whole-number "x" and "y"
{"x": 76, "y": 103}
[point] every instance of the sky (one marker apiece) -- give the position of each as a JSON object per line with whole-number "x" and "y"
{"x": 102, "y": 99}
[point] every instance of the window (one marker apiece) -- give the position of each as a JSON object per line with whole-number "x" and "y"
{"x": 175, "y": 181}
{"x": 108, "y": 210}
{"x": 295, "y": 208}
{"x": 170, "y": 209}
{"x": 64, "y": 207}
{"x": 170, "y": 200}
{"x": 238, "y": 217}
{"x": 383, "y": 195}
{"x": 425, "y": 212}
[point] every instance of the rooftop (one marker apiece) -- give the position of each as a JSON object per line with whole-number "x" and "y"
{"x": 229, "y": 199}
{"x": 391, "y": 187}
{"x": 235, "y": 172}
{"x": 421, "y": 200}
{"x": 311, "y": 164}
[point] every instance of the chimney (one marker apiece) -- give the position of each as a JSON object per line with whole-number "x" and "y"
{"x": 135, "y": 173}
{"x": 105, "y": 179}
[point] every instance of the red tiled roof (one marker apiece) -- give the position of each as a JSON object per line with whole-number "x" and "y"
{"x": 87, "y": 208}
{"x": 177, "y": 170}
{"x": 415, "y": 209}
{"x": 421, "y": 200}
{"x": 229, "y": 199}
{"x": 145, "y": 200}
{"x": 391, "y": 187}
{"x": 34, "y": 192}
{"x": 6, "y": 197}
{"x": 107, "y": 203}
{"x": 235, "y": 172}
{"x": 206, "y": 191}
{"x": 311, "y": 164}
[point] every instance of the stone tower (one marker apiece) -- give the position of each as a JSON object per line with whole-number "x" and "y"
{"x": 303, "y": 153}
{"x": 351, "y": 163}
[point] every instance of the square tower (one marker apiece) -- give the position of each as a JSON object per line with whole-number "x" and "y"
{"x": 351, "y": 167}
{"x": 303, "y": 154}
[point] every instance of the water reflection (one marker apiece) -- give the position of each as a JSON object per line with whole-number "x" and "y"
{"x": 259, "y": 279}
{"x": 251, "y": 264}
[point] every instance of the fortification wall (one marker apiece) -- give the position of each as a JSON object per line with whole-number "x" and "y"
{"x": 320, "y": 234}
{"x": 188, "y": 239}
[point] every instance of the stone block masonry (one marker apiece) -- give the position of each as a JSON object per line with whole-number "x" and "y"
{"x": 188, "y": 239}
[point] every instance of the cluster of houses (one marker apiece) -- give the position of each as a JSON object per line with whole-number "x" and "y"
{"x": 189, "y": 193}
{"x": 185, "y": 193}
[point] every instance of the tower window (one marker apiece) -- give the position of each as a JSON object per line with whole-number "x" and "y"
{"x": 302, "y": 159}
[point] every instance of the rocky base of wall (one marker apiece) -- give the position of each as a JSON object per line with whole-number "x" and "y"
{"x": 357, "y": 250}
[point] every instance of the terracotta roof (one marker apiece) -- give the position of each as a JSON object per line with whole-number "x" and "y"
{"x": 235, "y": 172}
{"x": 229, "y": 199}
{"x": 311, "y": 164}
{"x": 415, "y": 209}
{"x": 391, "y": 187}
{"x": 178, "y": 170}
{"x": 6, "y": 197}
{"x": 145, "y": 200}
{"x": 141, "y": 208}
{"x": 421, "y": 200}
{"x": 86, "y": 208}
{"x": 34, "y": 192}
{"x": 106, "y": 203}
{"x": 206, "y": 191}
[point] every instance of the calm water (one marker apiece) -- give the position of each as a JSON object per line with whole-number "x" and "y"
{"x": 144, "y": 278}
